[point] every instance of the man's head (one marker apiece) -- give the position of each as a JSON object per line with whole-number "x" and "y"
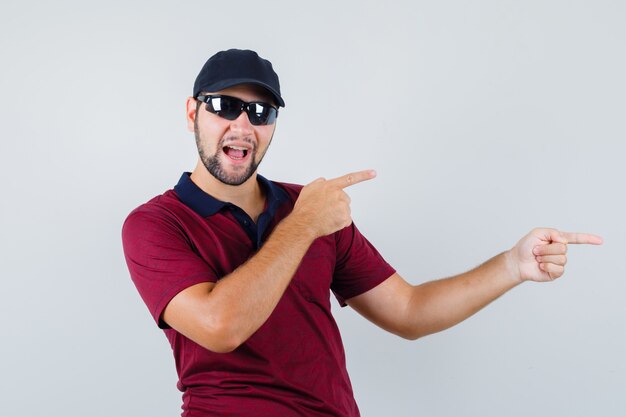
{"x": 232, "y": 113}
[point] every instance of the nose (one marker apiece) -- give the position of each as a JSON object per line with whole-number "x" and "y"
{"x": 242, "y": 124}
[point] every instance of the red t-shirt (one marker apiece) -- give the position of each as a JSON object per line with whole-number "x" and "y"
{"x": 294, "y": 364}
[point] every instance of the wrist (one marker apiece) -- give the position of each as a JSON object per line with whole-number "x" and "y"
{"x": 512, "y": 266}
{"x": 299, "y": 226}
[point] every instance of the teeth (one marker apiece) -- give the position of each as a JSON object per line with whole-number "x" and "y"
{"x": 239, "y": 148}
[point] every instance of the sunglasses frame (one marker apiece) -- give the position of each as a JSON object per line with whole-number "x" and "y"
{"x": 244, "y": 106}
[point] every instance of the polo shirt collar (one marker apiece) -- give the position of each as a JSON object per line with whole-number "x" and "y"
{"x": 206, "y": 205}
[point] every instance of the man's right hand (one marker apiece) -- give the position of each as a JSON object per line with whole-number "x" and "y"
{"x": 324, "y": 206}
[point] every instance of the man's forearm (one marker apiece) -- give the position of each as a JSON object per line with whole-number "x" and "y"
{"x": 242, "y": 301}
{"x": 438, "y": 305}
{"x": 245, "y": 299}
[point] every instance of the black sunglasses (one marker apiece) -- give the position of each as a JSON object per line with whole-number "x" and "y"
{"x": 259, "y": 113}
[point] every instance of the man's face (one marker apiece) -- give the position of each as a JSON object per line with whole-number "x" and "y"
{"x": 231, "y": 150}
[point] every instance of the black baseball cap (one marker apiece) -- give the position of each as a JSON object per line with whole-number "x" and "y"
{"x": 237, "y": 66}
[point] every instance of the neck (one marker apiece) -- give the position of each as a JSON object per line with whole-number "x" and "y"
{"x": 248, "y": 196}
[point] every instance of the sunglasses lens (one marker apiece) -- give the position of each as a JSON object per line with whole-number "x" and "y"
{"x": 261, "y": 114}
{"x": 227, "y": 107}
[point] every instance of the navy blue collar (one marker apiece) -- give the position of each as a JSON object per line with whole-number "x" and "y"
{"x": 206, "y": 205}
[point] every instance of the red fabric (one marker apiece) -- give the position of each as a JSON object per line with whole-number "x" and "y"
{"x": 294, "y": 365}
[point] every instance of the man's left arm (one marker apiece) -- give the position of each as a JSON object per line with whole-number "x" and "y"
{"x": 415, "y": 311}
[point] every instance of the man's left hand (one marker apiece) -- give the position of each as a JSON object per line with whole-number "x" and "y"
{"x": 541, "y": 255}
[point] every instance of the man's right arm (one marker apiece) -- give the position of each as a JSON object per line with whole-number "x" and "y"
{"x": 221, "y": 316}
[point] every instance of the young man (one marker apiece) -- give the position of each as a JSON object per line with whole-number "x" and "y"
{"x": 238, "y": 269}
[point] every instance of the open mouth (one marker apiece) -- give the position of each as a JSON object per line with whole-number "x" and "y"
{"x": 235, "y": 152}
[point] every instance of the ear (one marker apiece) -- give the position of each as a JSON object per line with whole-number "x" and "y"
{"x": 190, "y": 113}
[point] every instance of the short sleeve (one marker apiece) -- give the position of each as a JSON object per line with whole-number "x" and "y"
{"x": 359, "y": 266}
{"x": 161, "y": 259}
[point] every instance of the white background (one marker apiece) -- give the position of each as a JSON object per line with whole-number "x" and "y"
{"x": 483, "y": 119}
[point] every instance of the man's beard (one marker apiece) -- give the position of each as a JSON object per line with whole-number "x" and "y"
{"x": 214, "y": 166}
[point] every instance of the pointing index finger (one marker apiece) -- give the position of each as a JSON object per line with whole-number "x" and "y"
{"x": 582, "y": 238}
{"x": 353, "y": 178}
